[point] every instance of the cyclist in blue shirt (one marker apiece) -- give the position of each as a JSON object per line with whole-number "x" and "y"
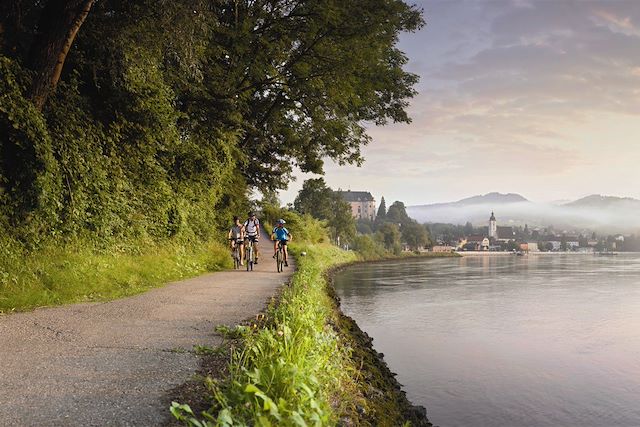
{"x": 281, "y": 234}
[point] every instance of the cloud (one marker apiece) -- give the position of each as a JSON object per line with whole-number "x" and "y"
{"x": 513, "y": 93}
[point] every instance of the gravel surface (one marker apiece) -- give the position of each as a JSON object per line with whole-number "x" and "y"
{"x": 114, "y": 363}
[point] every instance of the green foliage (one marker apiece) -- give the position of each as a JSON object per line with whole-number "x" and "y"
{"x": 168, "y": 114}
{"x": 315, "y": 198}
{"x": 388, "y": 235}
{"x": 205, "y": 350}
{"x": 28, "y": 173}
{"x": 290, "y": 371}
{"x": 397, "y": 214}
{"x": 381, "y": 216}
{"x": 303, "y": 227}
{"x": 369, "y": 248}
{"x": 365, "y": 226}
{"x": 320, "y": 201}
{"x": 415, "y": 235}
{"x": 305, "y": 75}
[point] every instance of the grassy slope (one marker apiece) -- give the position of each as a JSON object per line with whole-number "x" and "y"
{"x": 55, "y": 275}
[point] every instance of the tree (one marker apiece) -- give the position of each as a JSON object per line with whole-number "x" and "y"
{"x": 341, "y": 225}
{"x": 315, "y": 198}
{"x": 382, "y": 210}
{"x": 415, "y": 235}
{"x": 364, "y": 226}
{"x": 321, "y": 202}
{"x": 397, "y": 214}
{"x": 157, "y": 115}
{"x": 303, "y": 76}
{"x": 468, "y": 229}
{"x": 389, "y": 235}
{"x": 59, "y": 24}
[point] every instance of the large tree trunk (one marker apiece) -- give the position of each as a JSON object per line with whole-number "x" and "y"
{"x": 57, "y": 28}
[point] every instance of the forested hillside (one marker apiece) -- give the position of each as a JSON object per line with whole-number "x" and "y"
{"x": 130, "y": 122}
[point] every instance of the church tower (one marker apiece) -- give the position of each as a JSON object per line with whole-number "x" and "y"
{"x": 493, "y": 229}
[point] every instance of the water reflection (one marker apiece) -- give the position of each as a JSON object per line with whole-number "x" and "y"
{"x": 508, "y": 341}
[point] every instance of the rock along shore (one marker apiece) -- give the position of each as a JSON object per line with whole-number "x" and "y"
{"x": 379, "y": 384}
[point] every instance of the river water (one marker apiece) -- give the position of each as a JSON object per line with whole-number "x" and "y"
{"x": 539, "y": 340}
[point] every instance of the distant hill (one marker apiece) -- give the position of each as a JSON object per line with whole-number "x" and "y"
{"x": 494, "y": 197}
{"x": 604, "y": 202}
{"x": 595, "y": 212}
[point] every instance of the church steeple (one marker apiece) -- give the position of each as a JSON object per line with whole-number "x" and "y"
{"x": 493, "y": 228}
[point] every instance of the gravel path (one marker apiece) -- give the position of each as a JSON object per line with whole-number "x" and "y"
{"x": 113, "y": 364}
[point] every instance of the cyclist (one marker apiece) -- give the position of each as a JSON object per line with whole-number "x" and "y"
{"x": 252, "y": 232}
{"x": 281, "y": 234}
{"x": 236, "y": 237}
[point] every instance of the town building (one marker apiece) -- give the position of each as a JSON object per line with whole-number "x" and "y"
{"x": 572, "y": 242}
{"x": 476, "y": 243}
{"x": 363, "y": 205}
{"x": 505, "y": 234}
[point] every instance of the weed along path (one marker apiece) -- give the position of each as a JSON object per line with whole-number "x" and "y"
{"x": 114, "y": 363}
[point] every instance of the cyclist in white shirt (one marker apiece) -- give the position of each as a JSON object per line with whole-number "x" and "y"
{"x": 252, "y": 231}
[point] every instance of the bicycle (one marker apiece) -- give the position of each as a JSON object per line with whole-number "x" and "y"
{"x": 250, "y": 253}
{"x": 280, "y": 257}
{"x": 235, "y": 254}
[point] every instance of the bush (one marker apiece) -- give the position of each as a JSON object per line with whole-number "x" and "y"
{"x": 369, "y": 248}
{"x": 304, "y": 228}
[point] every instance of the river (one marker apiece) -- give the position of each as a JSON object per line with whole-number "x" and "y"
{"x": 546, "y": 340}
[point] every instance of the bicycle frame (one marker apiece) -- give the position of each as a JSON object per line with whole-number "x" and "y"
{"x": 280, "y": 257}
{"x": 250, "y": 254}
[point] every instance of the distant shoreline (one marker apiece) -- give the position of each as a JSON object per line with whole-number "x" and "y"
{"x": 537, "y": 253}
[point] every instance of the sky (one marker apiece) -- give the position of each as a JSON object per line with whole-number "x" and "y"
{"x": 536, "y": 97}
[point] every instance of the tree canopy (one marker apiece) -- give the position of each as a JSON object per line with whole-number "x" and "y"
{"x": 156, "y": 116}
{"x": 318, "y": 200}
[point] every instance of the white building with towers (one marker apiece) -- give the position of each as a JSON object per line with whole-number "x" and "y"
{"x": 493, "y": 228}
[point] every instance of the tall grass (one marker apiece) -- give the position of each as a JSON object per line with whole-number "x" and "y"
{"x": 78, "y": 272}
{"x": 293, "y": 370}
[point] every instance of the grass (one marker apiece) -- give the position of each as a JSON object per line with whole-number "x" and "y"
{"x": 78, "y": 273}
{"x": 294, "y": 369}
{"x": 305, "y": 363}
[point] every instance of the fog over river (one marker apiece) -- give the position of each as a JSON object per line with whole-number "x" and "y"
{"x": 546, "y": 340}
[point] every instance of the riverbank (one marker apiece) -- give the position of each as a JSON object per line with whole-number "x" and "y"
{"x": 377, "y": 384}
{"x": 304, "y": 361}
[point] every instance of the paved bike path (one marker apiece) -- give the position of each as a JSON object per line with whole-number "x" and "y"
{"x": 114, "y": 363}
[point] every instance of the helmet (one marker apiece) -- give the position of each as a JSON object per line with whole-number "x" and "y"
{"x": 252, "y": 213}
{"x": 281, "y": 221}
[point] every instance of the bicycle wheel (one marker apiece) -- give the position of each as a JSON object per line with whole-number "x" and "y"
{"x": 250, "y": 257}
{"x": 236, "y": 258}
{"x": 279, "y": 259}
